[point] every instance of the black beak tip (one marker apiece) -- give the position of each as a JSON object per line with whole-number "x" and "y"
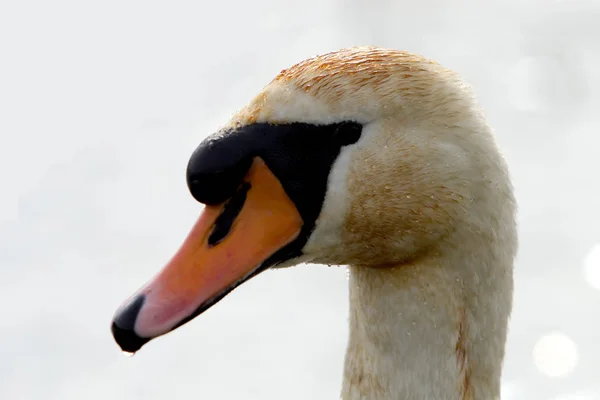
{"x": 123, "y": 326}
{"x": 127, "y": 339}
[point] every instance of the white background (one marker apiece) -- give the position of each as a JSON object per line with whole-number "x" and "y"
{"x": 101, "y": 105}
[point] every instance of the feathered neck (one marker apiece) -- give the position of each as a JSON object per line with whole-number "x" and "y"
{"x": 428, "y": 330}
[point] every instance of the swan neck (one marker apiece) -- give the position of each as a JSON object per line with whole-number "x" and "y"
{"x": 416, "y": 334}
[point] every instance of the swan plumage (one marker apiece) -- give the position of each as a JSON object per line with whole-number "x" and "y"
{"x": 420, "y": 207}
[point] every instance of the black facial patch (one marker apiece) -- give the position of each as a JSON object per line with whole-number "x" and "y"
{"x": 300, "y": 155}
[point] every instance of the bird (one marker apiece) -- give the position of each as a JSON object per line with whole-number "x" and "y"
{"x": 377, "y": 160}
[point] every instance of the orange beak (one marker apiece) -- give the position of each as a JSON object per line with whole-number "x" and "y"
{"x": 226, "y": 246}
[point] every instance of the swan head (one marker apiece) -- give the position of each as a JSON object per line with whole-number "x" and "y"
{"x": 365, "y": 156}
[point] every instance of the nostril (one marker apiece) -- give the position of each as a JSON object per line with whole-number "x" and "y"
{"x": 230, "y": 212}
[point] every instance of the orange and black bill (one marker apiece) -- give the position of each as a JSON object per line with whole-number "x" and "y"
{"x": 264, "y": 186}
{"x": 228, "y": 244}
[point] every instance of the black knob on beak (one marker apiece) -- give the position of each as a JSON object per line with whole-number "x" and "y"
{"x": 217, "y": 167}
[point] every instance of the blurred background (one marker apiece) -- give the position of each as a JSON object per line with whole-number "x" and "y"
{"x": 101, "y": 105}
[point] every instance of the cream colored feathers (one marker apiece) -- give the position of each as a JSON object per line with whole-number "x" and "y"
{"x": 421, "y": 209}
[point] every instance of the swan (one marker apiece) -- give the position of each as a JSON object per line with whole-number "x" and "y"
{"x": 378, "y": 160}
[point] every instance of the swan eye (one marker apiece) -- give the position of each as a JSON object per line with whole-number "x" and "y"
{"x": 347, "y": 133}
